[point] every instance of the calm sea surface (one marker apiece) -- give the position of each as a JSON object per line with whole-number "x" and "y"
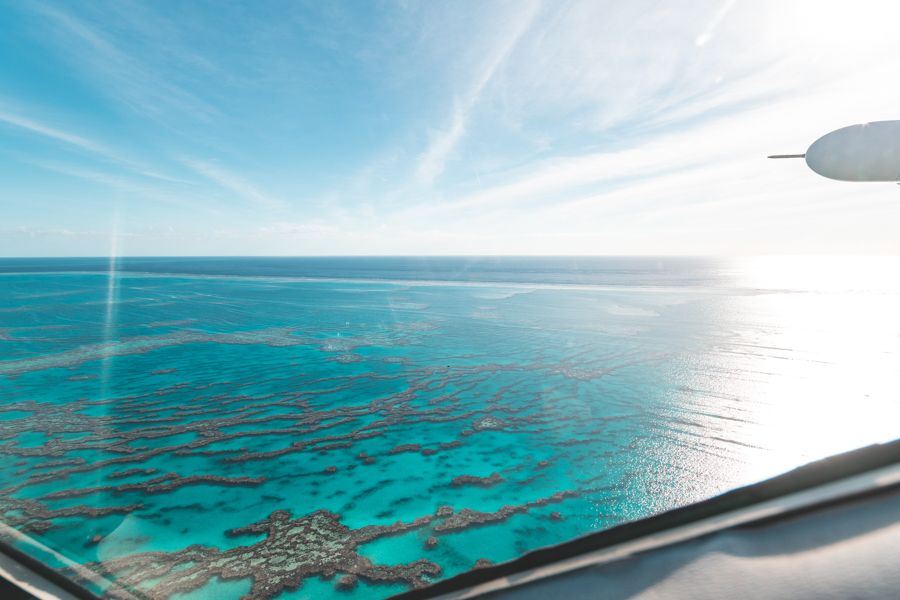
{"x": 352, "y": 427}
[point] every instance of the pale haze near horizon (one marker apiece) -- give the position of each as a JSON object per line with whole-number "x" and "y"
{"x": 455, "y": 128}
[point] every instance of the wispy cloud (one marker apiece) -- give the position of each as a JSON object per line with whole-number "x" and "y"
{"x": 442, "y": 143}
{"x": 707, "y": 34}
{"x": 37, "y": 232}
{"x": 312, "y": 228}
{"x": 90, "y": 146}
{"x": 128, "y": 79}
{"x": 165, "y": 191}
{"x": 52, "y": 132}
{"x": 234, "y": 183}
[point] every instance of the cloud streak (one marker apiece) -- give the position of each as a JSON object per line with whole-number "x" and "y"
{"x": 707, "y": 34}
{"x": 234, "y": 183}
{"x": 432, "y": 161}
{"x": 53, "y": 133}
{"x": 129, "y": 80}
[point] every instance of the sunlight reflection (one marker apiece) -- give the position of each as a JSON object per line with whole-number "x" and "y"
{"x": 823, "y": 358}
{"x": 112, "y": 298}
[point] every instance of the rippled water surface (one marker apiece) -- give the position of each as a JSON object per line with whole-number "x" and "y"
{"x": 211, "y": 428}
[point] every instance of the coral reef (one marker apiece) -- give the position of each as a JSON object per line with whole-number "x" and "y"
{"x": 463, "y": 480}
{"x": 123, "y": 453}
{"x": 467, "y": 518}
{"x": 292, "y": 550}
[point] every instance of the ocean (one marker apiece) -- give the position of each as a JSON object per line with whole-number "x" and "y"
{"x": 352, "y": 427}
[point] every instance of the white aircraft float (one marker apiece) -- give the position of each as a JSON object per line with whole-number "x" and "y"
{"x": 867, "y": 152}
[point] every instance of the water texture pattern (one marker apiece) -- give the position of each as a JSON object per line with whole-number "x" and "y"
{"x": 305, "y": 428}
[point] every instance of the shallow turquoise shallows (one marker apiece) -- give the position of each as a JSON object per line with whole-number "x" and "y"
{"x": 308, "y": 428}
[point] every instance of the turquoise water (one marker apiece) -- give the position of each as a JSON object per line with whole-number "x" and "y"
{"x": 293, "y": 428}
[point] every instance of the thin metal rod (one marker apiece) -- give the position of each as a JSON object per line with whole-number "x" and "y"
{"x": 788, "y": 156}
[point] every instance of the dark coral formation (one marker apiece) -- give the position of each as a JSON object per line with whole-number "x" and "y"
{"x": 406, "y": 448}
{"x": 35, "y": 517}
{"x": 237, "y": 430}
{"x": 159, "y": 485}
{"x": 275, "y": 336}
{"x": 292, "y": 550}
{"x": 130, "y": 473}
{"x": 467, "y": 518}
{"x": 163, "y": 371}
{"x": 463, "y": 480}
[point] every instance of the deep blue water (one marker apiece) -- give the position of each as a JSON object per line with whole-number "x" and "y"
{"x": 642, "y": 271}
{"x": 348, "y": 427}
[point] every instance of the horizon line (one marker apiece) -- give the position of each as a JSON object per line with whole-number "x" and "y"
{"x": 239, "y": 256}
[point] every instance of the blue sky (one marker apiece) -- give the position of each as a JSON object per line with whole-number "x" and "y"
{"x": 527, "y": 127}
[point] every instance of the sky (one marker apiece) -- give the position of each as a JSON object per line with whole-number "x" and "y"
{"x": 430, "y": 128}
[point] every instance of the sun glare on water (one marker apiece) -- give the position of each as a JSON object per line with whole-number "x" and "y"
{"x": 826, "y": 379}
